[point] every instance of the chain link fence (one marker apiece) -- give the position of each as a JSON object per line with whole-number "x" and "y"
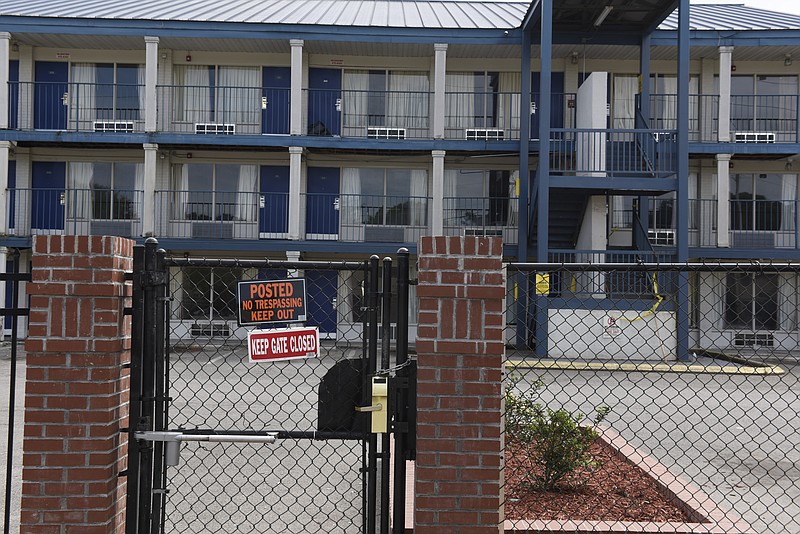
{"x": 300, "y": 483}
{"x": 652, "y": 396}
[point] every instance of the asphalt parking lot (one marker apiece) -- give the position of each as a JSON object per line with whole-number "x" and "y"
{"x": 737, "y": 436}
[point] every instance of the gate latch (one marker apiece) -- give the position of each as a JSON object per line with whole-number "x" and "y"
{"x": 380, "y": 404}
{"x": 172, "y": 441}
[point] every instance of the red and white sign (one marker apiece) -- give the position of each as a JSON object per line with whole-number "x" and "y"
{"x": 283, "y": 344}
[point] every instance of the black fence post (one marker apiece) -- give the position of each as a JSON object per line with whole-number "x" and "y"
{"x": 134, "y": 446}
{"x": 403, "y": 417}
{"x": 386, "y": 348}
{"x": 372, "y": 366}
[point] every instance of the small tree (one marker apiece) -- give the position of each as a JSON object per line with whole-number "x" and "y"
{"x": 553, "y": 440}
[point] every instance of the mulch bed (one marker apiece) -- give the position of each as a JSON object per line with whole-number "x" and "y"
{"x": 615, "y": 491}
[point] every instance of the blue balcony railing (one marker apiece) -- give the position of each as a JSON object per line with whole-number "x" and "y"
{"x": 223, "y": 110}
{"x": 614, "y": 153}
{"x": 368, "y": 114}
{"x": 365, "y": 218}
{"x": 84, "y": 107}
{"x": 774, "y": 115}
{"x": 481, "y": 216}
{"x": 76, "y": 211}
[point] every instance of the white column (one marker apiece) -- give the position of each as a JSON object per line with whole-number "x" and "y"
{"x": 437, "y": 193}
{"x": 440, "y": 70}
{"x": 5, "y": 55}
{"x": 149, "y": 186}
{"x": 725, "y": 63}
{"x": 5, "y": 149}
{"x": 296, "y": 96}
{"x": 295, "y": 184}
{"x": 150, "y": 81}
{"x": 723, "y": 202}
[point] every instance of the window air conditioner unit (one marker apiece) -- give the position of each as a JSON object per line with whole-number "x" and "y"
{"x": 483, "y": 232}
{"x": 661, "y": 237}
{"x": 754, "y": 340}
{"x": 113, "y": 126}
{"x": 386, "y": 133}
{"x": 210, "y": 330}
{"x": 214, "y": 128}
{"x": 484, "y": 134}
{"x": 754, "y": 137}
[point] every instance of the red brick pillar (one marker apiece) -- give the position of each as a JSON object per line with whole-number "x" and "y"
{"x": 460, "y": 352}
{"x": 76, "y": 395}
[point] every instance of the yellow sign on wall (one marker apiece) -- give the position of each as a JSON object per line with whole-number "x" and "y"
{"x": 542, "y": 284}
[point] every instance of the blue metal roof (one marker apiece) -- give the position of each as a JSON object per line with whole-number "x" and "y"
{"x": 451, "y": 14}
{"x": 736, "y": 17}
{"x": 427, "y": 14}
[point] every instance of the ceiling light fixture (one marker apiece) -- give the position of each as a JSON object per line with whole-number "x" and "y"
{"x": 599, "y": 20}
{"x": 574, "y": 58}
{"x": 788, "y": 60}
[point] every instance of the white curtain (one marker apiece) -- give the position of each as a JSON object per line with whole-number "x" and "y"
{"x": 460, "y": 100}
{"x": 355, "y": 85}
{"x": 195, "y": 93}
{"x": 716, "y": 283}
{"x": 450, "y": 200}
{"x": 140, "y": 81}
{"x": 350, "y": 201}
{"x": 789, "y": 201}
{"x": 180, "y": 188}
{"x": 246, "y": 195}
{"x": 513, "y": 199}
{"x": 138, "y": 185}
{"x": 80, "y": 179}
{"x": 693, "y": 204}
{"x": 408, "y": 100}
{"x": 787, "y": 293}
{"x": 509, "y": 105}
{"x": 238, "y": 96}
{"x": 82, "y": 105}
{"x": 419, "y": 196}
{"x": 624, "y": 102}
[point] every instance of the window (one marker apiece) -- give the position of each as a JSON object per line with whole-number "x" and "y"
{"x": 210, "y": 293}
{"x": 480, "y": 198}
{"x": 751, "y": 301}
{"x": 104, "y": 191}
{"x": 215, "y": 192}
{"x": 218, "y": 94}
{"x": 382, "y": 98}
{"x": 105, "y": 92}
{"x": 763, "y": 201}
{"x": 762, "y": 103}
{"x": 384, "y": 197}
{"x": 473, "y": 99}
{"x": 664, "y": 102}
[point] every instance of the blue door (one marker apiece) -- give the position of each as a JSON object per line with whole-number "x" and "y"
{"x": 49, "y": 103}
{"x": 275, "y": 109}
{"x": 322, "y": 203}
{"x": 321, "y": 306}
{"x": 12, "y": 196}
{"x": 273, "y": 219}
{"x": 324, "y": 101}
{"x": 47, "y": 192}
{"x": 556, "y": 98}
{"x": 13, "y": 93}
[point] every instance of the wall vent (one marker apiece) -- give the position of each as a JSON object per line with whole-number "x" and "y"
{"x": 484, "y": 134}
{"x": 754, "y": 137}
{"x": 214, "y": 128}
{"x": 386, "y": 133}
{"x": 113, "y": 126}
{"x": 210, "y": 330}
{"x": 754, "y": 340}
{"x": 661, "y": 237}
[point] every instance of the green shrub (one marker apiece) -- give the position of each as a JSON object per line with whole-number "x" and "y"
{"x": 553, "y": 440}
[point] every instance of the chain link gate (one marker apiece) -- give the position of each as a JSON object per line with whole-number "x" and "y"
{"x": 220, "y": 444}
